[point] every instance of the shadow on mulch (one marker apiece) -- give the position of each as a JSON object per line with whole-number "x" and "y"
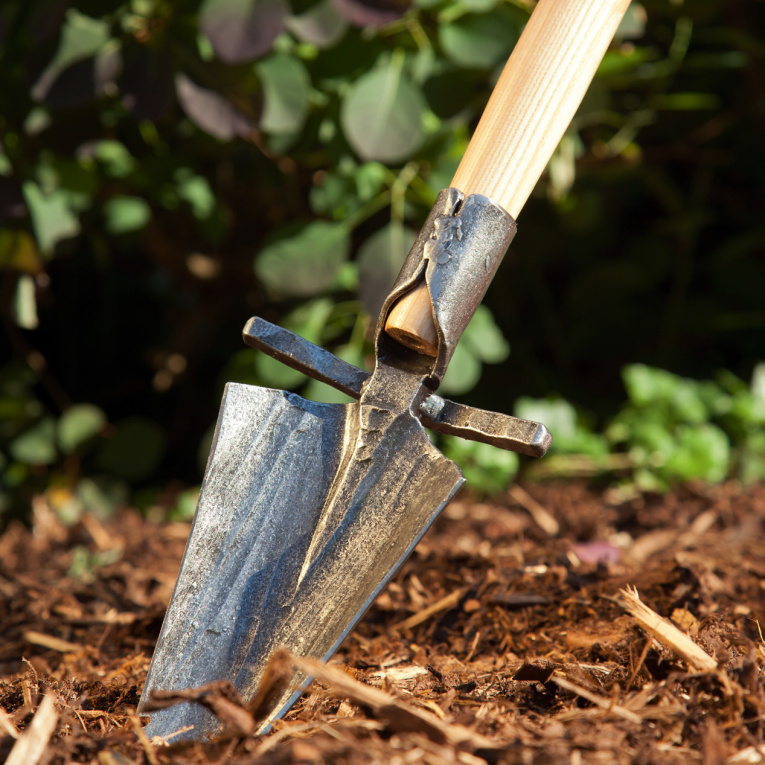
{"x": 502, "y": 640}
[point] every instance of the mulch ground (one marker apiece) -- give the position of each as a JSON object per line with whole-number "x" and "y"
{"x": 503, "y": 639}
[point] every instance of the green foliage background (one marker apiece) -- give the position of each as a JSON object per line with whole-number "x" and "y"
{"x": 168, "y": 169}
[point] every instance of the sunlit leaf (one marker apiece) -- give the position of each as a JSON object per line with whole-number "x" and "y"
{"x": 125, "y": 214}
{"x": 305, "y": 263}
{"x": 485, "y": 338}
{"x": 274, "y": 374}
{"x": 633, "y": 22}
{"x": 36, "y": 446}
{"x": 115, "y": 157}
{"x": 78, "y": 424}
{"x": 371, "y": 13}
{"x": 321, "y": 25}
{"x": 196, "y": 191}
{"x": 25, "y": 303}
{"x": 287, "y": 88}
{"x": 463, "y": 373}
{"x": 382, "y": 115}
{"x": 486, "y": 468}
{"x": 702, "y": 452}
{"x": 52, "y": 217}
{"x": 101, "y": 496}
{"x": 210, "y": 111}
{"x": 242, "y": 30}
{"x": 380, "y": 259}
{"x": 70, "y": 77}
{"x": 758, "y": 381}
{"x": 326, "y": 394}
{"x": 557, "y": 414}
{"x": 480, "y": 41}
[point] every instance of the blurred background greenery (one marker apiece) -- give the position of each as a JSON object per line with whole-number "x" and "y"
{"x": 169, "y": 168}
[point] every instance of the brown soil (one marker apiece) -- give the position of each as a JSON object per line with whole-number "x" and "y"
{"x": 498, "y": 642}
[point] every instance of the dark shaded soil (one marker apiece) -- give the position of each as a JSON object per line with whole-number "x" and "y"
{"x": 498, "y": 642}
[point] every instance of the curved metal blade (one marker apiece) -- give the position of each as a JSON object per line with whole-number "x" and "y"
{"x": 300, "y": 523}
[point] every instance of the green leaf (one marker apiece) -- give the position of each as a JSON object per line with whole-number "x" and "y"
{"x": 286, "y": 90}
{"x": 305, "y": 263}
{"x": 326, "y": 394}
{"x": 81, "y": 38}
{"x": 36, "y": 446}
{"x": 125, "y": 214}
{"x": 185, "y": 505}
{"x": 486, "y": 468}
{"x": 274, "y": 374}
{"x": 116, "y": 159}
{"x": 632, "y": 24}
{"x": 380, "y": 259}
{"x": 758, "y": 382}
{"x": 52, "y": 217}
{"x": 702, "y": 452}
{"x": 195, "y": 190}
{"x": 480, "y": 41}
{"x": 370, "y": 178}
{"x": 622, "y": 60}
{"x": 134, "y": 450}
{"x": 558, "y": 415}
{"x": 210, "y": 111}
{"x": 309, "y": 319}
{"x": 484, "y": 337}
{"x": 683, "y": 399}
{"x": 242, "y": 30}
{"x": 320, "y": 25}
{"x": 382, "y": 115}
{"x": 101, "y": 496}
{"x": 25, "y": 303}
{"x": 78, "y": 424}
{"x": 463, "y": 373}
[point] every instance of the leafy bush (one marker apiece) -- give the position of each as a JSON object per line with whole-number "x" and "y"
{"x": 169, "y": 168}
{"x": 672, "y": 429}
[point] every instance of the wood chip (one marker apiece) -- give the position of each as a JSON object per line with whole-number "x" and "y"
{"x": 604, "y": 704}
{"x": 396, "y": 714}
{"x": 49, "y": 641}
{"x": 542, "y": 517}
{"x": 444, "y": 604}
{"x": 143, "y": 739}
{"x": 7, "y": 724}
{"x": 31, "y": 745}
{"x": 666, "y": 633}
{"x": 400, "y": 674}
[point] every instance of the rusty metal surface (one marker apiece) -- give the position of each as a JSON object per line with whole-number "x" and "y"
{"x": 438, "y": 414}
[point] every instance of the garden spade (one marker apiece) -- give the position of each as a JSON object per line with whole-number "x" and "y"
{"x": 308, "y": 509}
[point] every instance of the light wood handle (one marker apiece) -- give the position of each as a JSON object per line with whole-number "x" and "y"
{"x": 533, "y": 103}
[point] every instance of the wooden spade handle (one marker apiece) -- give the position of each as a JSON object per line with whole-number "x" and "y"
{"x": 533, "y": 103}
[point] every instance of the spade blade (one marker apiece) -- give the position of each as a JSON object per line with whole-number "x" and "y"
{"x": 301, "y": 521}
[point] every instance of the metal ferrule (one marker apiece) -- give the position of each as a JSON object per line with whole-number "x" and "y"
{"x": 457, "y": 253}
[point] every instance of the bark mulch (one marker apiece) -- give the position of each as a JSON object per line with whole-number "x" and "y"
{"x": 512, "y": 635}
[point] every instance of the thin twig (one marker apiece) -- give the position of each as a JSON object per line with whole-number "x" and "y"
{"x": 599, "y": 701}
{"x": 444, "y": 604}
{"x": 31, "y": 745}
